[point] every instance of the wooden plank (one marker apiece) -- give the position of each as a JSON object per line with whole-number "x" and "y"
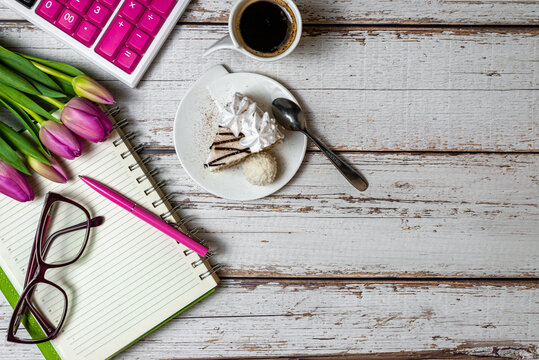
{"x": 271, "y": 318}
{"x": 340, "y": 57}
{"x": 424, "y": 215}
{"x": 375, "y": 120}
{"x": 384, "y": 90}
{"x": 513, "y": 12}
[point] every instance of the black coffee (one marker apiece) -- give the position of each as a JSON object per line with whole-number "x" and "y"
{"x": 265, "y": 27}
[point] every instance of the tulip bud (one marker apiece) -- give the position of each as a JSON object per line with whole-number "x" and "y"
{"x": 14, "y": 184}
{"x": 90, "y": 89}
{"x": 60, "y": 140}
{"x": 86, "y": 120}
{"x": 53, "y": 172}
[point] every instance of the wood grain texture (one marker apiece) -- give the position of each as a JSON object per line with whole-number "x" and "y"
{"x": 505, "y": 12}
{"x": 383, "y": 90}
{"x": 424, "y": 215}
{"x": 296, "y": 262}
{"x": 376, "y": 120}
{"x": 345, "y": 58}
{"x": 271, "y": 318}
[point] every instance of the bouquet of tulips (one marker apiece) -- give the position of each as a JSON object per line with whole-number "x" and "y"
{"x": 56, "y": 104}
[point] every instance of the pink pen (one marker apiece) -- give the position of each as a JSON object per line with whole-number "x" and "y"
{"x": 144, "y": 215}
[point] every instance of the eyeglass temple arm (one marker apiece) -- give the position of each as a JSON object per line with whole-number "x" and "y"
{"x": 94, "y": 222}
{"x": 43, "y": 322}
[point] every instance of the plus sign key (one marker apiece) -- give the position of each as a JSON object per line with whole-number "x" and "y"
{"x": 114, "y": 38}
{"x": 150, "y": 22}
{"x": 86, "y": 33}
{"x": 131, "y": 10}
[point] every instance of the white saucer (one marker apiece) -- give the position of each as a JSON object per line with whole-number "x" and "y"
{"x": 196, "y": 122}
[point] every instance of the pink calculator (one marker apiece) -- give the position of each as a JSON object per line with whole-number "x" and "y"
{"x": 120, "y": 36}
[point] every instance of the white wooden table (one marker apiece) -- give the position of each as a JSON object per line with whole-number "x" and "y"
{"x": 437, "y": 103}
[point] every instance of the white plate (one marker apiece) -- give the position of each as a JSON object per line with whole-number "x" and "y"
{"x": 196, "y": 122}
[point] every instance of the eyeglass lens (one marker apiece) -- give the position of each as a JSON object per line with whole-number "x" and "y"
{"x": 64, "y": 238}
{"x": 65, "y": 233}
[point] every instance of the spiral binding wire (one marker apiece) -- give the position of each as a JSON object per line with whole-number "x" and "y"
{"x": 180, "y": 225}
{"x": 144, "y": 177}
{"x": 130, "y": 152}
{"x": 170, "y": 212}
{"x": 121, "y": 123}
{"x": 152, "y": 188}
{"x": 202, "y": 259}
{"x": 139, "y": 163}
{"x": 167, "y": 197}
{"x": 210, "y": 272}
{"x": 113, "y": 111}
{"x": 124, "y": 138}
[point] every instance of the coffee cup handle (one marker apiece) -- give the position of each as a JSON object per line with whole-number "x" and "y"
{"x": 224, "y": 43}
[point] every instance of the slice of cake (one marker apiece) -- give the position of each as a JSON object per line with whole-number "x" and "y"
{"x": 226, "y": 150}
{"x": 244, "y": 129}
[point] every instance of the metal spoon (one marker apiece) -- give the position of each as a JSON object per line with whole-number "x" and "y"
{"x": 290, "y": 116}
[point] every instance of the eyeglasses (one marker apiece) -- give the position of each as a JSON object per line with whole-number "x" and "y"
{"x": 61, "y": 237}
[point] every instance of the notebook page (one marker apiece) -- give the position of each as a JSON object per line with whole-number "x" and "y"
{"x": 130, "y": 278}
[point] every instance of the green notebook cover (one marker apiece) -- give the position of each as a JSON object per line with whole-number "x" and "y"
{"x": 34, "y": 330}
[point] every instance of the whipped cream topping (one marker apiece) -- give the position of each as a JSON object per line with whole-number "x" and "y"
{"x": 234, "y": 113}
{"x": 243, "y": 116}
{"x": 260, "y": 132}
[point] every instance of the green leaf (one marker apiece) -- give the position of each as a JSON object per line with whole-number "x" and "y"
{"x": 10, "y": 156}
{"x": 66, "y": 86}
{"x": 44, "y": 90}
{"x": 65, "y": 68}
{"x": 25, "y": 120}
{"x": 22, "y": 65}
{"x": 21, "y": 143}
{"x": 13, "y": 79}
{"x": 24, "y": 100}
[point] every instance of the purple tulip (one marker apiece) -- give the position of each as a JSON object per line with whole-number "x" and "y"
{"x": 60, "y": 140}
{"x": 53, "y": 172}
{"x": 14, "y": 184}
{"x": 86, "y": 120}
{"x": 92, "y": 90}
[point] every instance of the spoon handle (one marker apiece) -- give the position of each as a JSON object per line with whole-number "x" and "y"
{"x": 354, "y": 177}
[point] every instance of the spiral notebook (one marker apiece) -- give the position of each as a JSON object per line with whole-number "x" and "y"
{"x": 131, "y": 278}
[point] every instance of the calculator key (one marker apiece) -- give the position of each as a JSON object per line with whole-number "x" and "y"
{"x": 145, "y": 2}
{"x": 111, "y": 4}
{"x": 98, "y": 14}
{"x": 86, "y": 33}
{"x": 162, "y": 7}
{"x": 68, "y": 21}
{"x": 80, "y": 6}
{"x": 150, "y": 22}
{"x": 139, "y": 41}
{"x": 127, "y": 60}
{"x": 131, "y": 10}
{"x": 114, "y": 38}
{"x": 49, "y": 9}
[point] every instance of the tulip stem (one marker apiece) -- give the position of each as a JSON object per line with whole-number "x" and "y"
{"x": 52, "y": 72}
{"x": 35, "y": 116}
{"x": 53, "y": 101}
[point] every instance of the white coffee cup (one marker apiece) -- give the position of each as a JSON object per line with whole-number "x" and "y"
{"x": 232, "y": 40}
